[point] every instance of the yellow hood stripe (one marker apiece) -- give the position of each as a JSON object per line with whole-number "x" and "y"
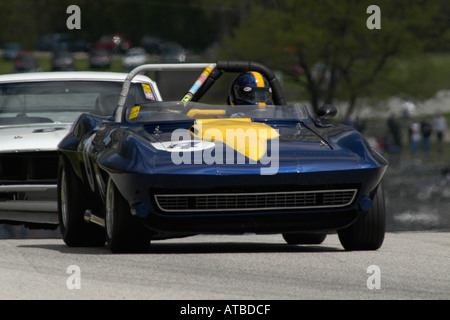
{"x": 243, "y": 135}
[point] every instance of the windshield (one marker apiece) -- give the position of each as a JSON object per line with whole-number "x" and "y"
{"x": 174, "y": 110}
{"x": 62, "y": 101}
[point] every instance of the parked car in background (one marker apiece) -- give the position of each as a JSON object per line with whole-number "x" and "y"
{"x": 25, "y": 62}
{"x": 173, "y": 52}
{"x": 63, "y": 61}
{"x": 10, "y": 50}
{"x": 36, "y": 111}
{"x": 80, "y": 45}
{"x": 54, "y": 41}
{"x": 151, "y": 44}
{"x": 116, "y": 43}
{"x": 133, "y": 58}
{"x": 99, "y": 58}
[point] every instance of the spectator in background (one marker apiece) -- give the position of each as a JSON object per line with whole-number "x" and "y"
{"x": 440, "y": 128}
{"x": 349, "y": 120}
{"x": 358, "y": 124}
{"x": 414, "y": 137}
{"x": 426, "y": 130}
{"x": 395, "y": 132}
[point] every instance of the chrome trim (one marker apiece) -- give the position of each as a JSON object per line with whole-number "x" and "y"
{"x": 27, "y": 187}
{"x": 334, "y": 192}
{"x": 50, "y": 124}
{"x": 29, "y": 206}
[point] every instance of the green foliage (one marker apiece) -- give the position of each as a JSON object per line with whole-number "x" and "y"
{"x": 328, "y": 40}
{"x": 415, "y": 77}
{"x": 332, "y": 37}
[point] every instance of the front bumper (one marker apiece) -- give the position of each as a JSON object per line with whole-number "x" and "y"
{"x": 255, "y": 222}
{"x": 140, "y": 191}
{"x": 32, "y": 203}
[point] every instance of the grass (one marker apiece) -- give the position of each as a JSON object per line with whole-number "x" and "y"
{"x": 6, "y": 66}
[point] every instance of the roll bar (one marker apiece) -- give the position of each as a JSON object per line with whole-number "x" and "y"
{"x": 245, "y": 66}
{"x": 225, "y": 66}
{"x": 118, "y": 113}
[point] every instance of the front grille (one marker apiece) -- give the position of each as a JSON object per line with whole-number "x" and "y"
{"x": 256, "y": 201}
{"x": 28, "y": 166}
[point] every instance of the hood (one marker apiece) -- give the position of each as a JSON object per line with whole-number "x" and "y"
{"x": 252, "y": 139}
{"x": 32, "y": 137}
{"x": 206, "y": 148}
{"x": 278, "y": 147}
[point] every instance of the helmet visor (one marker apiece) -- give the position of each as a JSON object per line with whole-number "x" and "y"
{"x": 254, "y": 94}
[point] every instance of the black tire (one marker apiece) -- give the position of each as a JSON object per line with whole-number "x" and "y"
{"x": 367, "y": 232}
{"x": 72, "y": 204}
{"x": 304, "y": 238}
{"x": 123, "y": 233}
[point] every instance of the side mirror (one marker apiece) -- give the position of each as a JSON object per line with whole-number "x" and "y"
{"x": 326, "y": 112}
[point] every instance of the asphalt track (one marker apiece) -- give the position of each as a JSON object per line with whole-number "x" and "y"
{"x": 410, "y": 265}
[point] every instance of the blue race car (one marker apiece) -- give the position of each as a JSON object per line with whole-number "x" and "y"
{"x": 164, "y": 169}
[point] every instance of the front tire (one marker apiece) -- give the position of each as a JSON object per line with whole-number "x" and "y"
{"x": 72, "y": 204}
{"x": 367, "y": 232}
{"x": 123, "y": 233}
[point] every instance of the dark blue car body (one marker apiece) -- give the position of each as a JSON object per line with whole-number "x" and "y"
{"x": 316, "y": 177}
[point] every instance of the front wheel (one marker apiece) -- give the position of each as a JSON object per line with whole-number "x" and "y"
{"x": 123, "y": 233}
{"x": 72, "y": 204}
{"x": 367, "y": 232}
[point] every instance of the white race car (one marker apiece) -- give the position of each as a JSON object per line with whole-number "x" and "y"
{"x": 36, "y": 111}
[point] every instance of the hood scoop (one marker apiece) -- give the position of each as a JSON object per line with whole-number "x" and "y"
{"x": 43, "y": 130}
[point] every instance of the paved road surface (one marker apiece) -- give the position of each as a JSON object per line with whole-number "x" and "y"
{"x": 410, "y": 265}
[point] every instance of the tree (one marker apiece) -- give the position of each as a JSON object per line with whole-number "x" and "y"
{"x": 338, "y": 55}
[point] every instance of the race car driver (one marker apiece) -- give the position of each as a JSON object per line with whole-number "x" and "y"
{"x": 250, "y": 88}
